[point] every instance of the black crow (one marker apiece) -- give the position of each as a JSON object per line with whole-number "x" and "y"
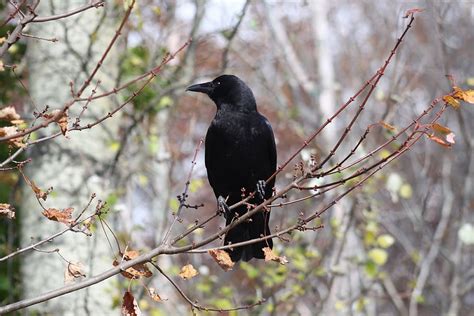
{"x": 240, "y": 155}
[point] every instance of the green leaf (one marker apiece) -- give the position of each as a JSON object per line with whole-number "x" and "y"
{"x": 406, "y": 191}
{"x": 114, "y": 146}
{"x": 195, "y": 185}
{"x": 143, "y": 180}
{"x": 360, "y": 304}
{"x": 385, "y": 240}
{"x": 340, "y": 306}
{"x": 371, "y": 269}
{"x": 378, "y": 256}
{"x": 251, "y": 271}
{"x": 174, "y": 204}
{"x": 466, "y": 233}
{"x": 165, "y": 101}
{"x": 420, "y": 299}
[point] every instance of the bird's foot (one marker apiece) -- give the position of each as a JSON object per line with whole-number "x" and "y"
{"x": 261, "y": 189}
{"x": 222, "y": 207}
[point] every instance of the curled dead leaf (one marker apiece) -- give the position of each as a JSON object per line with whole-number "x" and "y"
{"x": 222, "y": 258}
{"x": 451, "y": 101}
{"x": 6, "y": 210}
{"x": 271, "y": 256}
{"x": 9, "y": 131}
{"x": 439, "y": 141}
{"x": 130, "y": 306}
{"x": 188, "y": 272}
{"x": 61, "y": 120}
{"x": 73, "y": 271}
{"x": 155, "y": 296}
{"x": 465, "y": 95}
{"x": 387, "y": 126}
{"x": 137, "y": 271}
{"x": 62, "y": 216}
{"x": 40, "y": 194}
{"x": 440, "y": 128}
{"x": 9, "y": 114}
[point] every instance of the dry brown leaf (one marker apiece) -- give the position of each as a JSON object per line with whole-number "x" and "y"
{"x": 387, "y": 126}
{"x": 188, "y": 272}
{"x": 6, "y": 210}
{"x": 450, "y": 100}
{"x": 2, "y": 40}
{"x": 439, "y": 141}
{"x": 440, "y": 128}
{"x": 73, "y": 271}
{"x": 155, "y": 296}
{"x": 9, "y": 131}
{"x": 222, "y": 258}
{"x": 64, "y": 216}
{"x": 40, "y": 194}
{"x": 271, "y": 256}
{"x": 61, "y": 120}
{"x": 130, "y": 306}
{"x": 9, "y": 114}
{"x": 136, "y": 271}
{"x": 465, "y": 95}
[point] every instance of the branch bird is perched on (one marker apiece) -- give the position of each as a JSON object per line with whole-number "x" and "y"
{"x": 240, "y": 154}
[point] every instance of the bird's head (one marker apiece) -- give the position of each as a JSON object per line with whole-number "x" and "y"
{"x": 227, "y": 92}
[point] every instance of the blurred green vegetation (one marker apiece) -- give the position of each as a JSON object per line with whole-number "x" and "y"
{"x": 11, "y": 93}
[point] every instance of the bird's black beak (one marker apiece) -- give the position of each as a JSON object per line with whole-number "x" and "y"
{"x": 206, "y": 87}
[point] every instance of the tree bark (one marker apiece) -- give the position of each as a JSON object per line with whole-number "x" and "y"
{"x": 72, "y": 165}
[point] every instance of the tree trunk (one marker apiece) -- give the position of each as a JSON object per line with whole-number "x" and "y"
{"x": 72, "y": 165}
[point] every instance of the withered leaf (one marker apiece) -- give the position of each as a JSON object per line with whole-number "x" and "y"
{"x": 222, "y": 258}
{"x": 440, "y": 128}
{"x": 439, "y": 141}
{"x": 6, "y": 210}
{"x": 188, "y": 272}
{"x": 155, "y": 296}
{"x": 61, "y": 120}
{"x": 9, "y": 131}
{"x": 387, "y": 126}
{"x": 73, "y": 271}
{"x": 136, "y": 271}
{"x": 40, "y": 194}
{"x": 271, "y": 256}
{"x": 465, "y": 95}
{"x": 62, "y": 216}
{"x": 130, "y": 306}
{"x": 450, "y": 100}
{"x": 9, "y": 114}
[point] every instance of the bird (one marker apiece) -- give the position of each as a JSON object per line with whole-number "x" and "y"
{"x": 240, "y": 154}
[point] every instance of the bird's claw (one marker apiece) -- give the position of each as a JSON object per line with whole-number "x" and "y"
{"x": 261, "y": 189}
{"x": 222, "y": 206}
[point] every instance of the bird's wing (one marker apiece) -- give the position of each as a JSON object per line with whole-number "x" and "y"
{"x": 272, "y": 154}
{"x": 209, "y": 155}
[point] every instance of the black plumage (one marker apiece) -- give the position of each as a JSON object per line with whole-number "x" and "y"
{"x": 240, "y": 154}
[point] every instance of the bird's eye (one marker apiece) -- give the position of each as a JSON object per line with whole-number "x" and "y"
{"x": 218, "y": 82}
